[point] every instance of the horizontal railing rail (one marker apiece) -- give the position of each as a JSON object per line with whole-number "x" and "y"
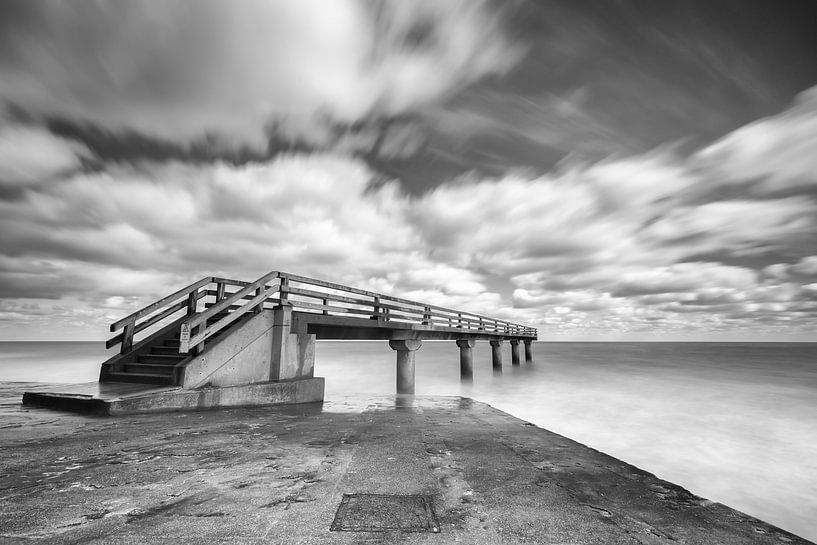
{"x": 196, "y": 330}
{"x": 184, "y": 299}
{"x": 231, "y": 299}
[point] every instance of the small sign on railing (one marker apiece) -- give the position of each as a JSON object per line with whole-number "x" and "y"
{"x": 184, "y": 338}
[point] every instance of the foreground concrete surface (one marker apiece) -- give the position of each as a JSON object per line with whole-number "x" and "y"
{"x": 278, "y": 474}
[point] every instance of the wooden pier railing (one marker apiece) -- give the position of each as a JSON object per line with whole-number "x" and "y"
{"x": 227, "y": 300}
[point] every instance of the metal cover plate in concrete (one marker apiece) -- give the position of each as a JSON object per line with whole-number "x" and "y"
{"x": 385, "y": 512}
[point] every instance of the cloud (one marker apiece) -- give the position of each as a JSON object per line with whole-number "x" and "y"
{"x": 30, "y": 155}
{"x": 632, "y": 245}
{"x": 771, "y": 155}
{"x": 182, "y": 71}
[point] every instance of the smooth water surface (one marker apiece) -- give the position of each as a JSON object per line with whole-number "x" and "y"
{"x": 733, "y": 422}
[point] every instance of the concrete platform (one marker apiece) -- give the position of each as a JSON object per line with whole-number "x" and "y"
{"x": 279, "y": 474}
{"x": 119, "y": 398}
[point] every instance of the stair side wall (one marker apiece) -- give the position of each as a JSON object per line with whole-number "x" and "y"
{"x": 240, "y": 356}
{"x": 260, "y": 349}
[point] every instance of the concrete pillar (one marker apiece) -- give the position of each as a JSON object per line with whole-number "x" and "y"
{"x": 514, "y": 351}
{"x": 293, "y": 354}
{"x": 528, "y": 352}
{"x": 405, "y": 363}
{"x": 466, "y": 359}
{"x": 496, "y": 354}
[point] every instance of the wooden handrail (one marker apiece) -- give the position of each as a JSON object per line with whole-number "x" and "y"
{"x": 422, "y": 309}
{"x": 160, "y": 303}
{"x": 407, "y": 309}
{"x": 228, "y": 308}
{"x": 188, "y": 340}
{"x": 166, "y": 306}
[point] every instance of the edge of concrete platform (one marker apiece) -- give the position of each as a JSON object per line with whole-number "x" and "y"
{"x": 310, "y": 390}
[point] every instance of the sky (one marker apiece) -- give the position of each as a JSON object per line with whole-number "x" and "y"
{"x": 601, "y": 170}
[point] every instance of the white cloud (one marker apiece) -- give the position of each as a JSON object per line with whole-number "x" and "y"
{"x": 776, "y": 153}
{"x": 30, "y": 155}
{"x": 182, "y": 70}
{"x": 634, "y": 244}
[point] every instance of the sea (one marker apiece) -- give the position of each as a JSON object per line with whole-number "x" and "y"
{"x": 733, "y": 422}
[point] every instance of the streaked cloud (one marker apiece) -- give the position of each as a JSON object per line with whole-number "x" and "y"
{"x": 30, "y": 155}
{"x": 184, "y": 71}
{"x": 625, "y": 244}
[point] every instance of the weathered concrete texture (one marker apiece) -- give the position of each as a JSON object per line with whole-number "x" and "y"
{"x": 260, "y": 349}
{"x": 277, "y": 475}
{"x": 293, "y": 354}
{"x": 126, "y": 398}
{"x": 240, "y": 357}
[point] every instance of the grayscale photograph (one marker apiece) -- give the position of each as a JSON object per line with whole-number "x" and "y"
{"x": 408, "y": 271}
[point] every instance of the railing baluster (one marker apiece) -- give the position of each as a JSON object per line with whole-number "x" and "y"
{"x": 427, "y": 315}
{"x": 260, "y": 306}
{"x": 325, "y": 311}
{"x": 196, "y": 350}
{"x": 192, "y": 302}
{"x": 219, "y": 291}
{"x": 127, "y": 337}
{"x": 284, "y": 294}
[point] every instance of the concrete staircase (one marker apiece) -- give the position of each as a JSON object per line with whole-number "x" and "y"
{"x": 156, "y": 367}
{"x": 158, "y": 360}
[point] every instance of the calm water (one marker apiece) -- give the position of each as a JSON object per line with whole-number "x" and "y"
{"x": 733, "y": 422}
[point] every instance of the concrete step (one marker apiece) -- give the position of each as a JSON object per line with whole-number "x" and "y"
{"x": 161, "y": 359}
{"x": 149, "y": 368}
{"x": 172, "y": 342}
{"x": 142, "y": 378}
{"x": 164, "y": 350}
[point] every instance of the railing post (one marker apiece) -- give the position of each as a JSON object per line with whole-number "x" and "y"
{"x": 459, "y": 320}
{"x": 376, "y": 308}
{"x": 196, "y": 350}
{"x": 127, "y": 337}
{"x": 325, "y": 311}
{"x": 192, "y": 302}
{"x": 283, "y": 295}
{"x": 481, "y": 324}
{"x": 219, "y": 291}
{"x": 427, "y": 315}
{"x": 260, "y": 306}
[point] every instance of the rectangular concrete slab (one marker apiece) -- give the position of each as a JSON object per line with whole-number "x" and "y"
{"x": 111, "y": 398}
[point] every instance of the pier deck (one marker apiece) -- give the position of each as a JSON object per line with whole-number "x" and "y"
{"x": 279, "y": 474}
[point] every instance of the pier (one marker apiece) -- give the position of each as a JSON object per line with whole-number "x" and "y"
{"x": 225, "y": 342}
{"x": 388, "y": 469}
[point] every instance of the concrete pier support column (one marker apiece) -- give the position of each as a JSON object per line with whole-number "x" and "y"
{"x": 496, "y": 355}
{"x": 514, "y": 351}
{"x": 293, "y": 354}
{"x": 466, "y": 359}
{"x": 528, "y": 351}
{"x": 405, "y": 363}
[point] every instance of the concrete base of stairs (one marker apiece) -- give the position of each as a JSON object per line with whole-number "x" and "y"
{"x": 115, "y": 398}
